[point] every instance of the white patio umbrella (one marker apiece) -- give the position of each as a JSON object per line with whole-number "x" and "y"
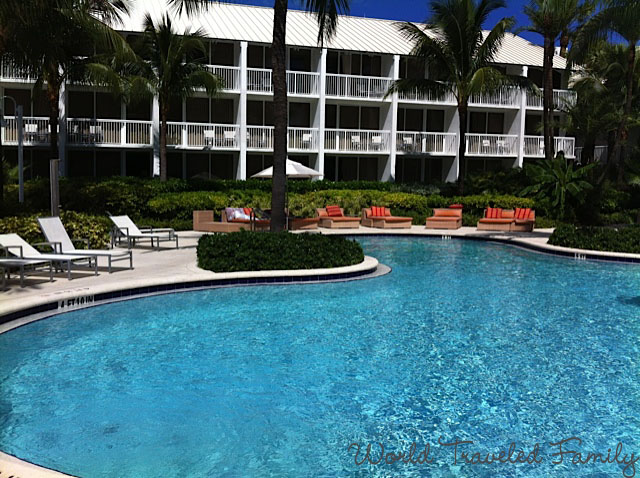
{"x": 293, "y": 170}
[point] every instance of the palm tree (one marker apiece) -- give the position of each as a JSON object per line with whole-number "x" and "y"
{"x": 168, "y": 67}
{"x": 617, "y": 18}
{"x": 553, "y": 20}
{"x": 326, "y": 12}
{"x": 55, "y": 40}
{"x": 558, "y": 179}
{"x": 453, "y": 43}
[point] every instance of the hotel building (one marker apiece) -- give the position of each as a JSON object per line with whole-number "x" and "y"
{"x": 340, "y": 121}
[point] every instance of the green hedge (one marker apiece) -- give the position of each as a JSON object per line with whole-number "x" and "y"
{"x": 259, "y": 251}
{"x": 78, "y": 226}
{"x": 626, "y": 239}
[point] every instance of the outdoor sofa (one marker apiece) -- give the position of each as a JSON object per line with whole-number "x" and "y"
{"x": 333, "y": 217}
{"x": 445, "y": 219}
{"x": 381, "y": 217}
{"x": 57, "y": 236}
{"x": 497, "y": 219}
{"x": 204, "y": 221}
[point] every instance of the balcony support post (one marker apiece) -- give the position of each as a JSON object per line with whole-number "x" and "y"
{"x": 62, "y": 129}
{"x": 155, "y": 136}
{"x": 391, "y": 124}
{"x": 241, "y": 171}
{"x": 321, "y": 111}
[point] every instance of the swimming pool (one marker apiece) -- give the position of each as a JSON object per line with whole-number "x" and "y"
{"x": 462, "y": 341}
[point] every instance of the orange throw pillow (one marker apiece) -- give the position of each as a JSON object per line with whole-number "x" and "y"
{"x": 526, "y": 213}
{"x": 247, "y": 211}
{"x": 489, "y": 213}
{"x": 377, "y": 211}
{"x": 334, "y": 211}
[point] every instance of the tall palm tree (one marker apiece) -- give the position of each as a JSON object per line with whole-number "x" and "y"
{"x": 172, "y": 67}
{"x": 55, "y": 40}
{"x": 453, "y": 43}
{"x": 617, "y": 18}
{"x": 553, "y": 20}
{"x": 326, "y": 12}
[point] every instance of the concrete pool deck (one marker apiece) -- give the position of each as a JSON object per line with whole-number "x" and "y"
{"x": 166, "y": 266}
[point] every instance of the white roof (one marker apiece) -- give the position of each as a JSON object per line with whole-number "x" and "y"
{"x": 224, "y": 21}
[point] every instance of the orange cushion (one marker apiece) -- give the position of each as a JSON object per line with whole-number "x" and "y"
{"x": 488, "y": 213}
{"x": 334, "y": 211}
{"x": 526, "y": 213}
{"x": 497, "y": 212}
{"x": 377, "y": 211}
{"x": 247, "y": 210}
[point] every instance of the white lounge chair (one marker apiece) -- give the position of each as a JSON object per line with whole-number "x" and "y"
{"x": 22, "y": 265}
{"x": 18, "y": 247}
{"x": 56, "y": 234}
{"x": 124, "y": 227}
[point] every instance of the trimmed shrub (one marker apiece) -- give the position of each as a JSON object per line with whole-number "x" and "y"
{"x": 625, "y": 239}
{"x": 78, "y": 226}
{"x": 259, "y": 251}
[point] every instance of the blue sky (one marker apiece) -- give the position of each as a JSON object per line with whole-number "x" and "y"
{"x": 412, "y": 10}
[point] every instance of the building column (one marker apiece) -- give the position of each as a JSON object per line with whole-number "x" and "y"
{"x": 62, "y": 130}
{"x": 389, "y": 173}
{"x": 451, "y": 165}
{"x": 241, "y": 171}
{"x": 320, "y": 120}
{"x": 155, "y": 136}
{"x": 521, "y": 121}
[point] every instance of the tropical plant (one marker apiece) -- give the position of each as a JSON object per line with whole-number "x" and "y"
{"x": 617, "y": 18}
{"x": 453, "y": 43}
{"x": 557, "y": 179}
{"x": 326, "y": 12}
{"x": 170, "y": 66}
{"x": 554, "y": 20}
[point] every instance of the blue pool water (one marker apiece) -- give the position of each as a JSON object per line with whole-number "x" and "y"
{"x": 463, "y": 340}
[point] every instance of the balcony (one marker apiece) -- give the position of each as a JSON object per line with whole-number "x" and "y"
{"x": 416, "y": 97}
{"x": 203, "y": 135}
{"x": 507, "y": 96}
{"x": 9, "y": 72}
{"x": 89, "y": 132}
{"x": 356, "y": 141}
{"x": 492, "y": 145}
{"x": 358, "y": 87}
{"x": 599, "y": 154}
{"x": 260, "y": 138}
{"x": 562, "y": 99}
{"x": 409, "y": 142}
{"x": 299, "y": 83}
{"x": 230, "y": 76}
{"x": 36, "y": 131}
{"x": 534, "y": 146}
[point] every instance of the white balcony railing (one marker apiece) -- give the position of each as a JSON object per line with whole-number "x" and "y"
{"x": 447, "y": 99}
{"x": 534, "y": 146}
{"x": 361, "y": 87}
{"x": 260, "y": 137}
{"x": 230, "y": 76}
{"x": 410, "y": 142}
{"x": 599, "y": 154}
{"x": 298, "y": 82}
{"x": 356, "y": 141}
{"x": 497, "y": 145}
{"x": 9, "y": 72}
{"x": 35, "y": 130}
{"x": 302, "y": 139}
{"x": 302, "y": 83}
{"x": 562, "y": 99}
{"x": 505, "y": 96}
{"x": 203, "y": 135}
{"x": 108, "y": 132}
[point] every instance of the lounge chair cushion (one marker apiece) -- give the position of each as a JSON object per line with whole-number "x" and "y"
{"x": 496, "y": 220}
{"x": 235, "y": 214}
{"x": 523, "y": 213}
{"x": 377, "y": 211}
{"x": 345, "y": 219}
{"x": 334, "y": 211}
{"x": 247, "y": 210}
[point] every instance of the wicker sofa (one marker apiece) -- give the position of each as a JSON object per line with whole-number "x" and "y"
{"x": 445, "y": 219}
{"x": 518, "y": 220}
{"x": 204, "y": 221}
{"x": 381, "y": 217}
{"x": 333, "y": 217}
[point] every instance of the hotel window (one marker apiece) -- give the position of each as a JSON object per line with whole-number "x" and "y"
{"x": 359, "y": 117}
{"x": 486, "y": 123}
{"x": 222, "y": 54}
{"x": 300, "y": 59}
{"x": 300, "y": 115}
{"x": 411, "y": 67}
{"x": 360, "y": 64}
{"x": 260, "y": 113}
{"x": 410, "y": 119}
{"x": 331, "y": 116}
{"x": 197, "y": 110}
{"x": 222, "y": 111}
{"x": 259, "y": 56}
{"x": 435, "y": 121}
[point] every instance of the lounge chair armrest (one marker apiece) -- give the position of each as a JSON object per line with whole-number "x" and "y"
{"x": 7, "y": 249}
{"x": 84, "y": 240}
{"x": 56, "y": 246}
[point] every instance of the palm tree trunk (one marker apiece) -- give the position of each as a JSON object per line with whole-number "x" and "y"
{"x": 280, "y": 117}
{"x": 462, "y": 145}
{"x": 547, "y": 103}
{"x": 164, "y": 113}
{"x": 622, "y": 129}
